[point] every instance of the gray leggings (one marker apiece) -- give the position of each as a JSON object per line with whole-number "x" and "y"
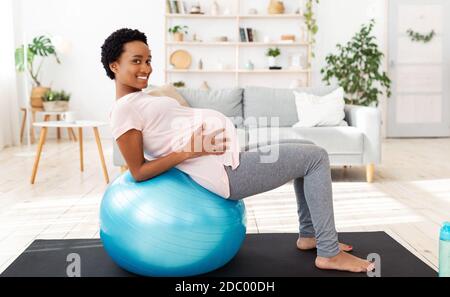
{"x": 308, "y": 165}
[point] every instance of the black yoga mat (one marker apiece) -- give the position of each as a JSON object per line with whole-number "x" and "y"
{"x": 262, "y": 255}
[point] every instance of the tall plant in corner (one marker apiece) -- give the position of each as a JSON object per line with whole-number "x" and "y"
{"x": 357, "y": 68}
{"x": 41, "y": 46}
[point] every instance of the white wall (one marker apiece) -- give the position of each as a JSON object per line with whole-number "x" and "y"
{"x": 9, "y": 127}
{"x": 87, "y": 23}
{"x": 338, "y": 21}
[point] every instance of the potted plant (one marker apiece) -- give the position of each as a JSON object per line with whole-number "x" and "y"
{"x": 56, "y": 101}
{"x": 178, "y": 32}
{"x": 40, "y": 47}
{"x": 179, "y": 84}
{"x": 273, "y": 53}
{"x": 357, "y": 69}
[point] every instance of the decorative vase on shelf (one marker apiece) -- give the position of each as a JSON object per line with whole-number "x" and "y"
{"x": 303, "y": 34}
{"x": 215, "y": 9}
{"x": 178, "y": 37}
{"x": 204, "y": 86}
{"x": 299, "y": 11}
{"x": 196, "y": 9}
{"x": 249, "y": 65}
{"x": 276, "y": 7}
{"x": 272, "y": 61}
{"x": 220, "y": 65}
{"x": 296, "y": 61}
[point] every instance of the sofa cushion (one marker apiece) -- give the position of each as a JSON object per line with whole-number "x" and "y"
{"x": 335, "y": 140}
{"x": 262, "y": 102}
{"x": 320, "y": 111}
{"x": 226, "y": 101}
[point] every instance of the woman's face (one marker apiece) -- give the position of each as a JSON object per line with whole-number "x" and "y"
{"x": 133, "y": 68}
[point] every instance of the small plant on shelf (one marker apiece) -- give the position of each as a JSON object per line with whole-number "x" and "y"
{"x": 178, "y": 32}
{"x": 273, "y": 53}
{"x": 56, "y": 101}
{"x": 56, "y": 96}
{"x": 179, "y": 84}
{"x": 63, "y": 96}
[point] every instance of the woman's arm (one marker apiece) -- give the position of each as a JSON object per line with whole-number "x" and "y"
{"x": 131, "y": 147}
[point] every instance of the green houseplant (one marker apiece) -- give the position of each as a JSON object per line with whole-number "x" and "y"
{"x": 418, "y": 37}
{"x": 56, "y": 101}
{"x": 178, "y": 32}
{"x": 41, "y": 46}
{"x": 311, "y": 23}
{"x": 357, "y": 68}
{"x": 273, "y": 53}
{"x": 179, "y": 84}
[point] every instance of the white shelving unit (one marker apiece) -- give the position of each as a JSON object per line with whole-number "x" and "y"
{"x": 234, "y": 47}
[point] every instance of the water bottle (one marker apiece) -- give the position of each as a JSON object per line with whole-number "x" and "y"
{"x": 444, "y": 251}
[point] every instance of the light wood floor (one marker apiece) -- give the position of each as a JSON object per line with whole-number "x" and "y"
{"x": 409, "y": 199}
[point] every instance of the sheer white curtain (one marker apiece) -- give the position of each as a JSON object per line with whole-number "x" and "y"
{"x": 9, "y": 110}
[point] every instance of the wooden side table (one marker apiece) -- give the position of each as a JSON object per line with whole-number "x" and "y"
{"x": 47, "y": 115}
{"x": 77, "y": 124}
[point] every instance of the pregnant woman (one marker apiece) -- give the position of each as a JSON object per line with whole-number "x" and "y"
{"x": 155, "y": 134}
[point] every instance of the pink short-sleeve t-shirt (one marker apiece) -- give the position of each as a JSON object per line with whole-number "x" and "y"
{"x": 167, "y": 126}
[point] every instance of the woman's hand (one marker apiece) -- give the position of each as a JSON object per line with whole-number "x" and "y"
{"x": 202, "y": 145}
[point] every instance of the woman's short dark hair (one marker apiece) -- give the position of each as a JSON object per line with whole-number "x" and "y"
{"x": 112, "y": 48}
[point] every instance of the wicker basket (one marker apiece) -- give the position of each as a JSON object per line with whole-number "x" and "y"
{"x": 276, "y": 7}
{"x": 36, "y": 96}
{"x": 178, "y": 37}
{"x": 59, "y": 106}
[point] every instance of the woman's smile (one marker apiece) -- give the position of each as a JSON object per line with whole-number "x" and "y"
{"x": 143, "y": 79}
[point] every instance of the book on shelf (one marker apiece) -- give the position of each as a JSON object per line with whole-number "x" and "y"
{"x": 243, "y": 35}
{"x": 172, "y": 6}
{"x": 250, "y": 34}
{"x": 175, "y": 8}
{"x": 254, "y": 35}
{"x": 181, "y": 7}
{"x": 247, "y": 34}
{"x": 168, "y": 8}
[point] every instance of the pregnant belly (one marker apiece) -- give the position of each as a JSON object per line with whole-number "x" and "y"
{"x": 181, "y": 129}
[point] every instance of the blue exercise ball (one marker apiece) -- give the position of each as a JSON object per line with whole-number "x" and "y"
{"x": 169, "y": 225}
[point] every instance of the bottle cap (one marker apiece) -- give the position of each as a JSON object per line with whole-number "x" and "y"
{"x": 445, "y": 232}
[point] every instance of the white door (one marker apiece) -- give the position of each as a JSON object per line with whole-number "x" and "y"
{"x": 420, "y": 102}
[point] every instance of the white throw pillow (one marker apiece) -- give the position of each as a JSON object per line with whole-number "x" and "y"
{"x": 320, "y": 111}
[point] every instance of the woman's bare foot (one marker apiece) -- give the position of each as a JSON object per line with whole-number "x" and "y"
{"x": 305, "y": 244}
{"x": 344, "y": 262}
